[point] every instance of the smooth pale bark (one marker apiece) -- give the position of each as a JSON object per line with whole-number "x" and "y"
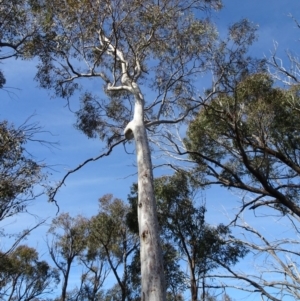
{"x": 152, "y": 272}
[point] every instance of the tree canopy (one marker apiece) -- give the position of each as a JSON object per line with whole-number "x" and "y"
{"x": 159, "y": 46}
{"x": 20, "y": 31}
{"x": 185, "y": 232}
{"x": 249, "y": 140}
{"x": 19, "y": 172}
{"x": 23, "y": 277}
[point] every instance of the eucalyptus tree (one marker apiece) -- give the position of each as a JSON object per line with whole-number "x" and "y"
{"x": 202, "y": 246}
{"x": 18, "y": 28}
{"x": 244, "y": 135}
{"x": 251, "y": 143}
{"x": 147, "y": 55}
{"x": 23, "y": 277}
{"x": 110, "y": 234}
{"x": 20, "y": 33}
{"x": 188, "y": 237}
{"x": 67, "y": 241}
{"x": 246, "y": 138}
{"x": 273, "y": 270}
{"x": 19, "y": 172}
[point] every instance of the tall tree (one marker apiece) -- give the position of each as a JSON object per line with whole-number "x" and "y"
{"x": 133, "y": 47}
{"x": 183, "y": 227}
{"x": 246, "y": 138}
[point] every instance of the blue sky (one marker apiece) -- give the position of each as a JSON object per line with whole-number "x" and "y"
{"x": 114, "y": 174}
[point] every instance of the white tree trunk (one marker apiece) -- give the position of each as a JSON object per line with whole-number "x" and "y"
{"x": 152, "y": 271}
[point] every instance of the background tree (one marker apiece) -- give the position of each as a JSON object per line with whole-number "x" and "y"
{"x": 21, "y": 176}
{"x": 96, "y": 270}
{"x": 23, "y": 277}
{"x": 273, "y": 269}
{"x": 188, "y": 237}
{"x": 67, "y": 240}
{"x": 254, "y": 143}
{"x": 19, "y": 173}
{"x": 246, "y": 135}
{"x": 110, "y": 234}
{"x": 246, "y": 139}
{"x": 126, "y": 44}
{"x": 202, "y": 246}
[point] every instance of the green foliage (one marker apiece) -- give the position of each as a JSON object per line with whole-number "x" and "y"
{"x": 164, "y": 45}
{"x": 91, "y": 120}
{"x": 23, "y": 277}
{"x": 108, "y": 227}
{"x": 248, "y": 139}
{"x": 185, "y": 234}
{"x": 68, "y": 236}
{"x": 110, "y": 235}
{"x": 67, "y": 240}
{"x": 185, "y": 224}
{"x": 20, "y": 31}
{"x": 19, "y": 173}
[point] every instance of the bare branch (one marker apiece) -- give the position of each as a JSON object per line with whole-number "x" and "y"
{"x": 53, "y": 191}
